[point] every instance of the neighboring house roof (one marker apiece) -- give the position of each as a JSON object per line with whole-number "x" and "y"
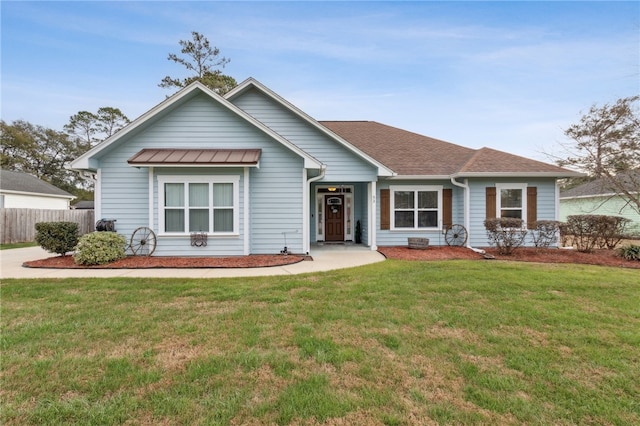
{"x": 23, "y": 183}
{"x": 196, "y": 157}
{"x": 602, "y": 187}
{"x": 412, "y": 154}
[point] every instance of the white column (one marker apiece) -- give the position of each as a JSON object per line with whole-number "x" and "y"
{"x": 373, "y": 216}
{"x": 151, "y": 198}
{"x": 246, "y": 210}
{"x": 306, "y": 246}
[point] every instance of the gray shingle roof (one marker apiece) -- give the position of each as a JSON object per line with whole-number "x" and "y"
{"x": 597, "y": 187}
{"x": 408, "y": 153}
{"x": 23, "y": 182}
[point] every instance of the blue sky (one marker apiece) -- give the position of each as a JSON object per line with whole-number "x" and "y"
{"x": 507, "y": 75}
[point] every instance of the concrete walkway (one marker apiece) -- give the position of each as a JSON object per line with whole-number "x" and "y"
{"x": 325, "y": 258}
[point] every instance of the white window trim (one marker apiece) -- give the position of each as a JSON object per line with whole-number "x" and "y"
{"x": 520, "y": 186}
{"x": 186, "y": 179}
{"x": 319, "y": 207}
{"x": 415, "y": 189}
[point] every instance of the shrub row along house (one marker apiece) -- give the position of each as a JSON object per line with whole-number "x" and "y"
{"x": 255, "y": 173}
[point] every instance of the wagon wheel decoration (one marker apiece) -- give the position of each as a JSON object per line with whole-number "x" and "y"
{"x": 456, "y": 235}
{"x": 143, "y": 242}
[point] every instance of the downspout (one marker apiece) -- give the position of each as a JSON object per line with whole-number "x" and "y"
{"x": 323, "y": 169}
{"x": 466, "y": 210}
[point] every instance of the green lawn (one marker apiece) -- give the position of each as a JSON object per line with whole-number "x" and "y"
{"x": 395, "y": 343}
{"x": 17, "y": 245}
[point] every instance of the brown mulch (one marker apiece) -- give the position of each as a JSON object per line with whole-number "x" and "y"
{"x": 146, "y": 262}
{"x": 598, "y": 257}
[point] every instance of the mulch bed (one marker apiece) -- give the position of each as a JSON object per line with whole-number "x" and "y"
{"x": 598, "y": 257}
{"x": 147, "y": 262}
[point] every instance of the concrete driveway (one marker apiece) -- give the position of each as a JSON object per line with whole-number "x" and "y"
{"x": 325, "y": 258}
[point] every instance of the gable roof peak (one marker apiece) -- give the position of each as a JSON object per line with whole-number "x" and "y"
{"x": 82, "y": 162}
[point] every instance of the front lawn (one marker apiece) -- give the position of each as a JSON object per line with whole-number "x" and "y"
{"x": 391, "y": 343}
{"x": 17, "y": 245}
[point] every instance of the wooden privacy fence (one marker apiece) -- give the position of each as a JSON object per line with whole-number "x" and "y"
{"x": 19, "y": 225}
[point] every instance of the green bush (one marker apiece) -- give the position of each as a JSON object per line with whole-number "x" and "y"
{"x": 630, "y": 252}
{"x": 98, "y": 248}
{"x": 57, "y": 237}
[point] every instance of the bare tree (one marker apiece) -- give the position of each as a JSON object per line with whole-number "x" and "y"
{"x": 606, "y": 145}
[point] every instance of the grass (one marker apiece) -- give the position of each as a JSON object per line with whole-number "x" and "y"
{"x": 17, "y": 245}
{"x": 394, "y": 343}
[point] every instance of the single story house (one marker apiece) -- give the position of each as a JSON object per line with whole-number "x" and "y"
{"x": 600, "y": 198}
{"x": 255, "y": 174}
{"x": 22, "y": 190}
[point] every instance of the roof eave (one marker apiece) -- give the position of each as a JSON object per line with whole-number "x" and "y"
{"x": 419, "y": 177}
{"x": 566, "y": 174}
{"x": 605, "y": 195}
{"x": 39, "y": 194}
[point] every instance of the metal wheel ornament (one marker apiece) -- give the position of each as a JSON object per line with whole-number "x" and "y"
{"x": 143, "y": 241}
{"x": 456, "y": 235}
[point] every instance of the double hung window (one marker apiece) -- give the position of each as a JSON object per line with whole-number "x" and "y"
{"x": 511, "y": 200}
{"x": 198, "y": 204}
{"x": 416, "y": 207}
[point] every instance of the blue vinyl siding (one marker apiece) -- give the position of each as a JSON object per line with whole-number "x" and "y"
{"x": 275, "y": 187}
{"x": 546, "y": 204}
{"x": 342, "y": 164}
{"x": 477, "y": 232}
{"x": 399, "y": 237}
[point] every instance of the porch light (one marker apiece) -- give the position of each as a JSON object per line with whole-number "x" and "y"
{"x": 332, "y": 189}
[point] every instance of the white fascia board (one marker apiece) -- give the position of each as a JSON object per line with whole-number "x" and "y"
{"x": 607, "y": 195}
{"x": 84, "y": 161}
{"x": 37, "y": 194}
{"x": 518, "y": 174}
{"x": 419, "y": 177}
{"x": 251, "y": 82}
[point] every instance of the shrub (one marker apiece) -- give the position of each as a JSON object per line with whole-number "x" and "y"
{"x": 545, "y": 233}
{"x": 98, "y": 248}
{"x": 57, "y": 237}
{"x": 588, "y": 232}
{"x": 630, "y": 252}
{"x": 506, "y": 233}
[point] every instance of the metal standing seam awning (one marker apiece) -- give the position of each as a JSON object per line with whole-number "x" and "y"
{"x": 170, "y": 157}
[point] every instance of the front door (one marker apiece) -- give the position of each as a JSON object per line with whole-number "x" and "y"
{"x": 334, "y": 217}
